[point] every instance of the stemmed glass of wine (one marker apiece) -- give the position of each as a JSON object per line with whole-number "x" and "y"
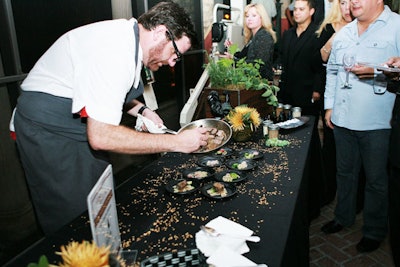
{"x": 349, "y": 60}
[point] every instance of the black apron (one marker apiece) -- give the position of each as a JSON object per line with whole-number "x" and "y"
{"x": 60, "y": 166}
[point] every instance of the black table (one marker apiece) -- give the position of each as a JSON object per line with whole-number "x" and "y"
{"x": 273, "y": 202}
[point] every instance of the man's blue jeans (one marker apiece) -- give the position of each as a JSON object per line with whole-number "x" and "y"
{"x": 369, "y": 148}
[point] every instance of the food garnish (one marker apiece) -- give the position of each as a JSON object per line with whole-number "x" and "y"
{"x": 218, "y": 189}
{"x": 276, "y": 142}
{"x": 183, "y": 186}
{"x": 198, "y": 174}
{"x": 212, "y": 163}
{"x": 230, "y": 176}
{"x": 240, "y": 166}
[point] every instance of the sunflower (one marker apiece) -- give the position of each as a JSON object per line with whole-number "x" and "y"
{"x": 242, "y": 116}
{"x": 85, "y": 254}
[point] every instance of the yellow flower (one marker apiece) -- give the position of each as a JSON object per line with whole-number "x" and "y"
{"x": 84, "y": 254}
{"x": 242, "y": 116}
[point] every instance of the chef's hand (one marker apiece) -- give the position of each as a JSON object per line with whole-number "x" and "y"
{"x": 153, "y": 116}
{"x": 191, "y": 140}
{"x": 328, "y": 114}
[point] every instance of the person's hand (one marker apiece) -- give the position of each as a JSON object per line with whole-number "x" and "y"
{"x": 328, "y": 114}
{"x": 395, "y": 63}
{"x": 191, "y": 140}
{"x": 226, "y": 55}
{"x": 315, "y": 96}
{"x": 363, "y": 72}
{"x": 153, "y": 116}
{"x": 228, "y": 43}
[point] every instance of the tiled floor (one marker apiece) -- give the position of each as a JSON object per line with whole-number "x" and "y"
{"x": 340, "y": 249}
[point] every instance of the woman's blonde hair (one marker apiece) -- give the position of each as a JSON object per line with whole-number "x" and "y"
{"x": 334, "y": 16}
{"x": 265, "y": 21}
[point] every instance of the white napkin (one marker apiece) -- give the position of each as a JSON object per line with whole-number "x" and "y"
{"x": 225, "y": 257}
{"x": 150, "y": 125}
{"x": 209, "y": 244}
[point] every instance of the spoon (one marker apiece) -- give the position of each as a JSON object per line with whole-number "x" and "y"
{"x": 212, "y": 232}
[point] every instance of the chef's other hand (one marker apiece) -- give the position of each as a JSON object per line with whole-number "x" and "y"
{"x": 153, "y": 116}
{"x": 191, "y": 140}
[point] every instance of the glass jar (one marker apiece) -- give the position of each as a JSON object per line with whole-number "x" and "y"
{"x": 287, "y": 111}
{"x": 278, "y": 110}
{"x": 273, "y": 131}
{"x": 296, "y": 112}
{"x": 266, "y": 124}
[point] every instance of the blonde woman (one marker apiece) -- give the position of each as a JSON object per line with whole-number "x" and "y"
{"x": 339, "y": 15}
{"x": 259, "y": 39}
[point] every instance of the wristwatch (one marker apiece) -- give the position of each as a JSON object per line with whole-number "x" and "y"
{"x": 142, "y": 109}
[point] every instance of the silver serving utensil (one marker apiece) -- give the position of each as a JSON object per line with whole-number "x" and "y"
{"x": 212, "y": 232}
{"x": 166, "y": 130}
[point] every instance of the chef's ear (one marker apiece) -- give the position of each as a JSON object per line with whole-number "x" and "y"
{"x": 160, "y": 33}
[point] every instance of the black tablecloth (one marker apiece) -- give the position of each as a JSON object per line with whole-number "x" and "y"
{"x": 273, "y": 202}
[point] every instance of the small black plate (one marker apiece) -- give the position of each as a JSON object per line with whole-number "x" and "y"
{"x": 230, "y": 188}
{"x": 250, "y": 154}
{"x": 223, "y": 152}
{"x": 242, "y": 176}
{"x": 170, "y": 186}
{"x": 188, "y": 174}
{"x": 251, "y": 164}
{"x": 209, "y": 161}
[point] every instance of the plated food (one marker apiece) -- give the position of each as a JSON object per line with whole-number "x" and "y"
{"x": 182, "y": 186}
{"x": 210, "y": 162}
{"x": 198, "y": 173}
{"x": 230, "y": 176}
{"x": 241, "y": 164}
{"x": 250, "y": 154}
{"x": 218, "y": 190}
{"x": 223, "y": 152}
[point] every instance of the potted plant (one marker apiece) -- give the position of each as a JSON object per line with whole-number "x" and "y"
{"x": 227, "y": 74}
{"x": 244, "y": 121}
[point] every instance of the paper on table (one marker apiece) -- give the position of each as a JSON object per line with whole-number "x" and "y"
{"x": 225, "y": 257}
{"x": 225, "y": 226}
{"x": 150, "y": 125}
{"x": 209, "y": 244}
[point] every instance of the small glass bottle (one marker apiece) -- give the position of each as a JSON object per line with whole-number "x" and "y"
{"x": 287, "y": 111}
{"x": 278, "y": 110}
{"x": 266, "y": 124}
{"x": 296, "y": 112}
{"x": 273, "y": 131}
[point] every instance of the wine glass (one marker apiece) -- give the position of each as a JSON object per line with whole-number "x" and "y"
{"x": 349, "y": 60}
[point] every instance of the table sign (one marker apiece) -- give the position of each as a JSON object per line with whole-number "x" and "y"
{"x": 103, "y": 212}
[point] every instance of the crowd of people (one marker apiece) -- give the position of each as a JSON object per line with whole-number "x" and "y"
{"x": 357, "y": 105}
{"x": 68, "y": 115}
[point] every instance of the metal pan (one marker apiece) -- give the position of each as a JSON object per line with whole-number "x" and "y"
{"x": 213, "y": 143}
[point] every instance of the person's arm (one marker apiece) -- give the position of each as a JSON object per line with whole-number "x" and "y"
{"x": 122, "y": 139}
{"x": 330, "y": 90}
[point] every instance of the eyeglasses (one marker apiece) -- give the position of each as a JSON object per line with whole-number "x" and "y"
{"x": 178, "y": 54}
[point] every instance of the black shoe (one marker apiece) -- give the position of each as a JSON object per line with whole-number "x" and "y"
{"x": 367, "y": 245}
{"x": 331, "y": 227}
